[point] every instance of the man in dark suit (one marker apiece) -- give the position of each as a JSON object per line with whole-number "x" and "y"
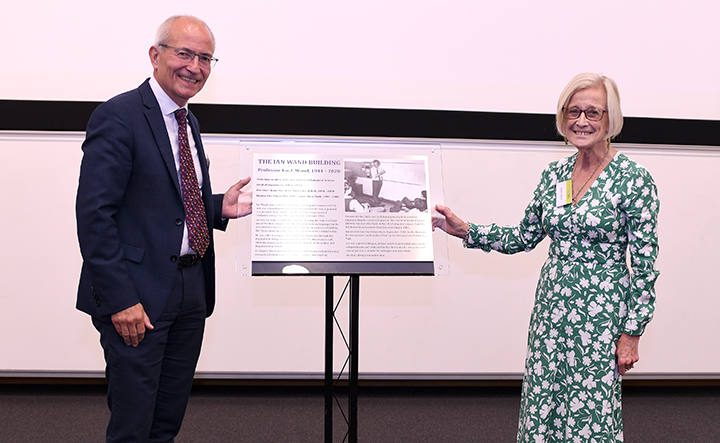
{"x": 145, "y": 218}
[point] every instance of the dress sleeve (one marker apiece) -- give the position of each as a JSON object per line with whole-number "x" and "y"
{"x": 641, "y": 207}
{"x": 512, "y": 239}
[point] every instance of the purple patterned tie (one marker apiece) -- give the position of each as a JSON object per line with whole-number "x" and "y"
{"x": 195, "y": 217}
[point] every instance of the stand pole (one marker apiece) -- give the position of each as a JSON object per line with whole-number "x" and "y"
{"x": 329, "y": 302}
{"x": 354, "y": 341}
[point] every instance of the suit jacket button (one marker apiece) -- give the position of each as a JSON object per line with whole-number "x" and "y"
{"x": 178, "y": 221}
{"x": 174, "y": 258}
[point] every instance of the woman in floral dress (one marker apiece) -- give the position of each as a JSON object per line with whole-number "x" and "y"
{"x": 591, "y": 304}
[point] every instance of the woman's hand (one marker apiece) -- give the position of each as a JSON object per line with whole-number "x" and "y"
{"x": 627, "y": 352}
{"x": 445, "y": 219}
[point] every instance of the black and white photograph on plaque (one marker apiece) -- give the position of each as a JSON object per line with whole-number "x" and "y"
{"x": 385, "y": 185}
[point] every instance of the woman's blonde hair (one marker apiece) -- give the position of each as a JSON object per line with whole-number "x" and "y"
{"x": 585, "y": 81}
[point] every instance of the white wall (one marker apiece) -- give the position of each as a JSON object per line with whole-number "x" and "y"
{"x": 480, "y": 55}
{"x": 512, "y": 56}
{"x": 472, "y": 321}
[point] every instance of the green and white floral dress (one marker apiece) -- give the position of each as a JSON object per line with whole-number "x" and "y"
{"x": 586, "y": 297}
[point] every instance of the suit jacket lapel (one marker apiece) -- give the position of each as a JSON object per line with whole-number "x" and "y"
{"x": 199, "y": 146}
{"x": 204, "y": 167}
{"x": 157, "y": 125}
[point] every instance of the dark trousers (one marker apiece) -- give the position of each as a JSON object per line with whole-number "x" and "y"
{"x": 149, "y": 386}
{"x": 376, "y": 186}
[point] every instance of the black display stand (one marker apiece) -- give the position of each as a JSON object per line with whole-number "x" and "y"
{"x": 351, "y": 341}
{"x": 340, "y": 269}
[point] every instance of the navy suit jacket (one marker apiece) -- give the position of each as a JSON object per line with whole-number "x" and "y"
{"x": 129, "y": 208}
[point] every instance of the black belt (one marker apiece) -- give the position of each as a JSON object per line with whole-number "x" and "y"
{"x": 188, "y": 260}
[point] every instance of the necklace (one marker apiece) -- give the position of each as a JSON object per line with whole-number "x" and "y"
{"x": 574, "y": 199}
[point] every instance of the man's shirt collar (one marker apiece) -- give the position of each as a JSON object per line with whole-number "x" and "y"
{"x": 167, "y": 105}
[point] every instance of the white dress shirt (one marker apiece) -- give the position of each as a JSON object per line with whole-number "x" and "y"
{"x": 168, "y": 108}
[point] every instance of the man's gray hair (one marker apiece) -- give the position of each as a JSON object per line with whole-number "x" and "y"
{"x": 162, "y": 36}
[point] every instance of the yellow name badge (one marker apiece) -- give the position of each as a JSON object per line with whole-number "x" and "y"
{"x": 563, "y": 193}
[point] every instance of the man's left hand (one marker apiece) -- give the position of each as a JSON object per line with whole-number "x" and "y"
{"x": 236, "y": 202}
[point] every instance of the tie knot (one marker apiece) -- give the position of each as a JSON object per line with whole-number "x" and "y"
{"x": 181, "y": 115}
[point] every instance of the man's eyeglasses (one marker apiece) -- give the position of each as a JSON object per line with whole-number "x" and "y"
{"x": 591, "y": 114}
{"x": 186, "y": 55}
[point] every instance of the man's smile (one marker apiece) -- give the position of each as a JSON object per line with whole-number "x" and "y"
{"x": 188, "y": 79}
